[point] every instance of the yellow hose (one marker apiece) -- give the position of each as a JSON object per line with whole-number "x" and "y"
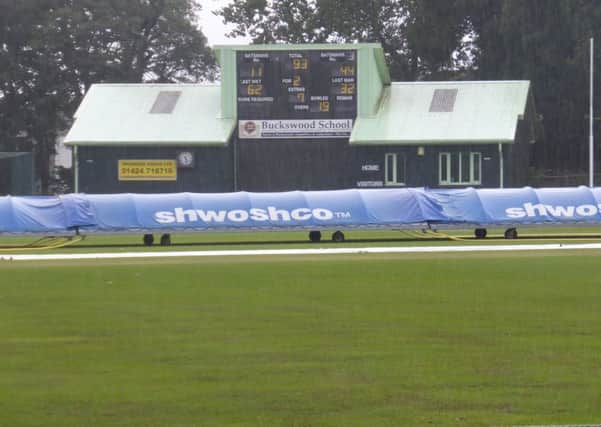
{"x": 443, "y": 235}
{"x": 44, "y": 243}
{"x": 429, "y": 234}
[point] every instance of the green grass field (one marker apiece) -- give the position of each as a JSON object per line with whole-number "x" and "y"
{"x": 445, "y": 340}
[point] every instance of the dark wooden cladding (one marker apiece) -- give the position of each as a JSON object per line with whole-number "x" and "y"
{"x": 280, "y": 165}
{"x": 284, "y": 165}
{"x": 212, "y": 171}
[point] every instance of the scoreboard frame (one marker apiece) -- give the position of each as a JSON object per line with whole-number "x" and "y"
{"x": 296, "y": 93}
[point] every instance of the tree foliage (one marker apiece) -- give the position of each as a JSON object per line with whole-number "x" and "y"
{"x": 546, "y": 43}
{"x": 51, "y": 51}
{"x": 538, "y": 40}
{"x": 403, "y": 27}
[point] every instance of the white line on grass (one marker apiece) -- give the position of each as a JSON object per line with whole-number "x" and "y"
{"x": 315, "y": 251}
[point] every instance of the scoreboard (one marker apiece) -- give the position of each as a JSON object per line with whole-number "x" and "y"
{"x": 296, "y": 94}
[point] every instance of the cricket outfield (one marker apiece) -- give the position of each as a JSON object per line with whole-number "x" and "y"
{"x": 495, "y": 338}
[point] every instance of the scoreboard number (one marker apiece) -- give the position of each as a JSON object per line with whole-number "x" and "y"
{"x": 347, "y": 70}
{"x": 300, "y": 64}
{"x": 347, "y": 88}
{"x": 254, "y": 90}
{"x": 256, "y": 72}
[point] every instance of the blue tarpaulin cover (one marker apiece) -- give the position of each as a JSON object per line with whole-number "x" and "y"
{"x": 400, "y": 207}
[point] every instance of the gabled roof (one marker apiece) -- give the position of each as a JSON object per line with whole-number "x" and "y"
{"x": 444, "y": 112}
{"x": 147, "y": 114}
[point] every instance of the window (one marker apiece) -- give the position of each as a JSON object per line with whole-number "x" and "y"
{"x": 394, "y": 166}
{"x": 459, "y": 168}
{"x": 443, "y": 100}
{"x": 165, "y": 102}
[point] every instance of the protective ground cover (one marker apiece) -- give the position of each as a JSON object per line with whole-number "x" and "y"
{"x": 300, "y": 209}
{"x": 484, "y": 339}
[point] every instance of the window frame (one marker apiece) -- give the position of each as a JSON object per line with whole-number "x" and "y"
{"x": 395, "y": 169}
{"x": 447, "y": 157}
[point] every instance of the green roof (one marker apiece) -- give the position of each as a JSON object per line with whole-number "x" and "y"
{"x": 148, "y": 114}
{"x": 422, "y": 113}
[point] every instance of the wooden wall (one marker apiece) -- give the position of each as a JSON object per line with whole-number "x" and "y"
{"x": 284, "y": 165}
{"x": 98, "y": 170}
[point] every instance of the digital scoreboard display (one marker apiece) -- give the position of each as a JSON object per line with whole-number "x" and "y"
{"x": 296, "y": 94}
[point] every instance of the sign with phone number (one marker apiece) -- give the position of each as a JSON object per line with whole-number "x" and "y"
{"x": 147, "y": 170}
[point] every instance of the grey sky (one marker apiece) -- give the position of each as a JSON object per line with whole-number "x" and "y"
{"x": 212, "y": 25}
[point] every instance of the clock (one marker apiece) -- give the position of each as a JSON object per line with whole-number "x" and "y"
{"x": 185, "y": 159}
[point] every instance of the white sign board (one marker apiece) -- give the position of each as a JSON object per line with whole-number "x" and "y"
{"x": 307, "y": 128}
